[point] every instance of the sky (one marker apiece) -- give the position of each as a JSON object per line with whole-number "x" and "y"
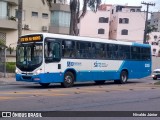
{"x": 136, "y": 3}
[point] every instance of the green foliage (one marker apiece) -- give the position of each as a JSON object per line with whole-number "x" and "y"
{"x": 151, "y": 28}
{"x": 2, "y": 43}
{"x": 12, "y": 18}
{"x": 10, "y": 67}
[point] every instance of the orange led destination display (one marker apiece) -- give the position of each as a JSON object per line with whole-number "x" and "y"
{"x": 33, "y": 38}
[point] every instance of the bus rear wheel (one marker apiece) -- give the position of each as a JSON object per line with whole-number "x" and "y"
{"x": 44, "y": 84}
{"x": 68, "y": 80}
{"x": 123, "y": 78}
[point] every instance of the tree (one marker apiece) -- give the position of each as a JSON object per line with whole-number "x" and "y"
{"x": 150, "y": 28}
{"x": 75, "y": 11}
{"x": 20, "y": 9}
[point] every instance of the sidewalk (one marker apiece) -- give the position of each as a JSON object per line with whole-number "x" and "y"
{"x": 10, "y": 78}
{"x": 4, "y": 81}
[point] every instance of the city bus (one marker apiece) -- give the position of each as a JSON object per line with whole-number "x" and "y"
{"x": 47, "y": 58}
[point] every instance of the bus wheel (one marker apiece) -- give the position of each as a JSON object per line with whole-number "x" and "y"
{"x": 68, "y": 80}
{"x": 99, "y": 82}
{"x": 123, "y": 78}
{"x": 44, "y": 84}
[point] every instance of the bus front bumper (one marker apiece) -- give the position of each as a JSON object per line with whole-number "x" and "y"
{"x": 27, "y": 78}
{"x": 41, "y": 78}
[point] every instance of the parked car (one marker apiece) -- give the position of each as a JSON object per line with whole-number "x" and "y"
{"x": 156, "y": 74}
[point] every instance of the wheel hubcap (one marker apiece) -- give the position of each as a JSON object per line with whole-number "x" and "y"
{"x": 124, "y": 78}
{"x": 68, "y": 79}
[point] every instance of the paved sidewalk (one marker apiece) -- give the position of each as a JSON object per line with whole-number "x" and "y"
{"x": 10, "y": 80}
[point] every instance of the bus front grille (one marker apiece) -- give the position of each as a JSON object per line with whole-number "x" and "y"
{"x": 26, "y": 77}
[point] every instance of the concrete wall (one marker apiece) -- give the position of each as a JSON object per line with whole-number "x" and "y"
{"x": 89, "y": 24}
{"x": 155, "y": 62}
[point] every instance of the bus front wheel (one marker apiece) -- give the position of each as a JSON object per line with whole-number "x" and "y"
{"x": 68, "y": 80}
{"x": 123, "y": 78}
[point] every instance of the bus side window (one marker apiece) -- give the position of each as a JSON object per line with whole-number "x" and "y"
{"x": 68, "y": 49}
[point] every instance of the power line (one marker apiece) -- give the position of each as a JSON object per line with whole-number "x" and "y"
{"x": 146, "y": 22}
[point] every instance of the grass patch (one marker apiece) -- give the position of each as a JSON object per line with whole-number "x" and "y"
{"x": 157, "y": 83}
{"x": 10, "y": 67}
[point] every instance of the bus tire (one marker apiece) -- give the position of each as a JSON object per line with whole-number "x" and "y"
{"x": 69, "y": 79}
{"x": 123, "y": 78}
{"x": 99, "y": 82}
{"x": 44, "y": 84}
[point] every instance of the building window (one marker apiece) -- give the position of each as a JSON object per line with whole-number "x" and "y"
{"x": 138, "y": 10}
{"x": 68, "y": 49}
{"x": 103, "y": 20}
{"x": 124, "y": 20}
{"x": 112, "y": 11}
{"x": 101, "y": 31}
{"x": 3, "y": 10}
{"x": 124, "y": 32}
{"x": 45, "y": 15}
{"x": 34, "y": 14}
{"x": 132, "y": 10}
{"x": 60, "y": 19}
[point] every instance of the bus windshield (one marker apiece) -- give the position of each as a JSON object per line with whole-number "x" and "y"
{"x": 29, "y": 56}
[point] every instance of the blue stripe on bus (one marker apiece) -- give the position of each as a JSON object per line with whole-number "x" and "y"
{"x": 131, "y": 66}
{"x": 140, "y": 45}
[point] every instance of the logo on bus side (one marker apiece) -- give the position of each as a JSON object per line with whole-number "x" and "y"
{"x": 147, "y": 65}
{"x": 70, "y": 64}
{"x": 100, "y": 64}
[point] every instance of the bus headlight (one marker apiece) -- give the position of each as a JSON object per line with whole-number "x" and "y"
{"x": 38, "y": 72}
{"x": 17, "y": 71}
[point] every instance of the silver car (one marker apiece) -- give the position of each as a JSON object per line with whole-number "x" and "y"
{"x": 156, "y": 74}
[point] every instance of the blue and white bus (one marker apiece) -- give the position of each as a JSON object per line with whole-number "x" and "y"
{"x": 51, "y": 58}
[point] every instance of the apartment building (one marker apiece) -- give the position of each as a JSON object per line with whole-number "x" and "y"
{"x": 36, "y": 17}
{"x": 127, "y": 23}
{"x": 60, "y": 17}
{"x": 8, "y": 22}
{"x": 96, "y": 24}
{"x": 117, "y": 22}
{"x": 154, "y": 36}
{"x": 155, "y": 20}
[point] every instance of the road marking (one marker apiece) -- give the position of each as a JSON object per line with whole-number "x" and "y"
{"x": 74, "y": 90}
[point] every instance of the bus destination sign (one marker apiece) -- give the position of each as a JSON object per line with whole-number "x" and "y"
{"x": 33, "y": 38}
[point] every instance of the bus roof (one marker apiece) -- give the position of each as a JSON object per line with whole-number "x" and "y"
{"x": 89, "y": 39}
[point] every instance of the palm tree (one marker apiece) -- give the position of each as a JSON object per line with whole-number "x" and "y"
{"x": 75, "y": 11}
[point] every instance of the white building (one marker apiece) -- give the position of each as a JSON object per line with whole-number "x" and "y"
{"x": 96, "y": 24}
{"x": 127, "y": 23}
{"x": 154, "y": 40}
{"x": 118, "y": 22}
{"x": 155, "y": 20}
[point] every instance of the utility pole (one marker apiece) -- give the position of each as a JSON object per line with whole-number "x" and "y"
{"x": 146, "y": 21}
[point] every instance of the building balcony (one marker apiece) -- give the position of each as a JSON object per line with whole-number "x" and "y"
{"x": 12, "y": 2}
{"x": 60, "y": 7}
{"x": 58, "y": 30}
{"x": 8, "y": 24}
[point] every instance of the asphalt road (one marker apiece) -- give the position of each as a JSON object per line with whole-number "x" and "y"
{"x": 136, "y": 95}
